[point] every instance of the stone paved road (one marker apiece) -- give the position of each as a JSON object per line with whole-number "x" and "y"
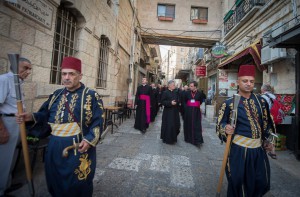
{"x": 133, "y": 164}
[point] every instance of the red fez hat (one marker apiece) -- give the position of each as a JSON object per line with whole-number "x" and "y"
{"x": 72, "y": 63}
{"x": 246, "y": 70}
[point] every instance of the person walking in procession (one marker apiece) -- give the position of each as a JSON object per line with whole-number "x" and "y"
{"x": 75, "y": 114}
{"x": 143, "y": 106}
{"x": 9, "y": 131}
{"x": 247, "y": 169}
{"x": 154, "y": 102}
{"x": 170, "y": 126}
{"x": 267, "y": 94}
{"x": 192, "y": 116}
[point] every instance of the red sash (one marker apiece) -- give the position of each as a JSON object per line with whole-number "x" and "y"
{"x": 195, "y": 104}
{"x": 147, "y": 99}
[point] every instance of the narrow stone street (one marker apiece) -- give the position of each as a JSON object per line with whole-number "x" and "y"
{"x": 133, "y": 164}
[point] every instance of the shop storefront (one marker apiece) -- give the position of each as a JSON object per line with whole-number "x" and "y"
{"x": 227, "y": 72}
{"x": 291, "y": 39}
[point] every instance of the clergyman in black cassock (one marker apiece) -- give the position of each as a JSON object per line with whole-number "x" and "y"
{"x": 192, "y": 116}
{"x": 154, "y": 102}
{"x": 170, "y": 119}
{"x": 142, "y": 103}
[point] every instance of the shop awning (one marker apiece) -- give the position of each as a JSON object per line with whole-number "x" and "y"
{"x": 182, "y": 74}
{"x": 254, "y": 50}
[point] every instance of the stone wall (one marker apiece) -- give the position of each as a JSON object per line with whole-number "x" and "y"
{"x": 22, "y": 35}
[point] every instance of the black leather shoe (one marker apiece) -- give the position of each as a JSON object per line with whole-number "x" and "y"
{"x": 13, "y": 187}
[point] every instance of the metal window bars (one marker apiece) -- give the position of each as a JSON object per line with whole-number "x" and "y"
{"x": 64, "y": 42}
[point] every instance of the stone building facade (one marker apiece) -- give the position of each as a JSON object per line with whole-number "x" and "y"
{"x": 248, "y": 28}
{"x": 100, "y": 33}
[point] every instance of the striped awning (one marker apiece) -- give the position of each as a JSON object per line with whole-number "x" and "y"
{"x": 254, "y": 50}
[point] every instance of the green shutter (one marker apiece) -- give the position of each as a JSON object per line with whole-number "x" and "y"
{"x": 238, "y": 2}
{"x": 228, "y": 15}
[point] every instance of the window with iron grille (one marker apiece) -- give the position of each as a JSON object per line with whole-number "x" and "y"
{"x": 166, "y": 10}
{"x": 199, "y": 13}
{"x": 64, "y": 42}
{"x": 103, "y": 62}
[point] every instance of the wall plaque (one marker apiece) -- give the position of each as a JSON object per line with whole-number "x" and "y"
{"x": 37, "y": 10}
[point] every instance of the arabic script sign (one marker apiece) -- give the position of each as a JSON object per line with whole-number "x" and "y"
{"x": 38, "y": 10}
{"x": 219, "y": 50}
{"x": 200, "y": 71}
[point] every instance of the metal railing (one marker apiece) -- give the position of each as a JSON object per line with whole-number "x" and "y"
{"x": 240, "y": 12}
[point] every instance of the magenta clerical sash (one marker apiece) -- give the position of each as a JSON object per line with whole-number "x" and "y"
{"x": 194, "y": 104}
{"x": 147, "y": 99}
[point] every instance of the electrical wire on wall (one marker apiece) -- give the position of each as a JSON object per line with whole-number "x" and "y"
{"x": 120, "y": 64}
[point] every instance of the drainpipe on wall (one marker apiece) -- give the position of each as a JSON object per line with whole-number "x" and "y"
{"x": 294, "y": 5}
{"x": 130, "y": 96}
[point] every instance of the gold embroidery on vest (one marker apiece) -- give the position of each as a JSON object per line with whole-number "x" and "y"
{"x": 220, "y": 130}
{"x": 253, "y": 128}
{"x": 88, "y": 112}
{"x": 60, "y": 110}
{"x": 96, "y": 132}
{"x": 72, "y": 107}
{"x": 84, "y": 168}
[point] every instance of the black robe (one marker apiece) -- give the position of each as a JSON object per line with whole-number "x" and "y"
{"x": 170, "y": 126}
{"x": 182, "y": 104}
{"x": 154, "y": 104}
{"x": 159, "y": 94}
{"x": 192, "y": 118}
{"x": 141, "y": 118}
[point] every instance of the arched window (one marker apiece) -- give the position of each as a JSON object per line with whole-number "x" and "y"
{"x": 64, "y": 42}
{"x": 103, "y": 62}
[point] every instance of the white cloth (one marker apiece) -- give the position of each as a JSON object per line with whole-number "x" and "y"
{"x": 8, "y": 99}
{"x": 270, "y": 103}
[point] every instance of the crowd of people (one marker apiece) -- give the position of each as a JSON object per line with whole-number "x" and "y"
{"x": 75, "y": 115}
{"x": 174, "y": 101}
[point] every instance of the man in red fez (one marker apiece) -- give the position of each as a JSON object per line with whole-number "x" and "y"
{"x": 74, "y": 114}
{"x": 247, "y": 169}
{"x": 71, "y": 73}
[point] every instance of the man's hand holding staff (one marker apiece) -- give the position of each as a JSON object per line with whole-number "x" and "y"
{"x": 229, "y": 129}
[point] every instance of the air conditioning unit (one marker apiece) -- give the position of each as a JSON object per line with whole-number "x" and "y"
{"x": 265, "y": 55}
{"x": 269, "y": 55}
{"x": 278, "y": 53}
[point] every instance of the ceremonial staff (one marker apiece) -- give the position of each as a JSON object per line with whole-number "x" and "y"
{"x": 236, "y": 100}
{"x": 14, "y": 62}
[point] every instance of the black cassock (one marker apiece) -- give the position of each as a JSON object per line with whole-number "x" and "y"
{"x": 182, "y": 106}
{"x": 141, "y": 120}
{"x": 154, "y": 104}
{"x": 192, "y": 117}
{"x": 170, "y": 119}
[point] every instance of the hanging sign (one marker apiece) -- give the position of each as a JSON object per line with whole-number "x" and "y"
{"x": 201, "y": 71}
{"x": 218, "y": 50}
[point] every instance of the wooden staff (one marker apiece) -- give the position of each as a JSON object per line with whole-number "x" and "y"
{"x": 236, "y": 100}
{"x": 14, "y": 61}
